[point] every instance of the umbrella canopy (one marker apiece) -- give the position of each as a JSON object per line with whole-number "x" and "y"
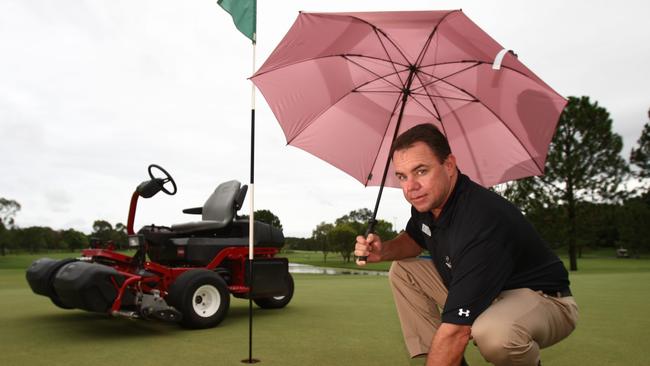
{"x": 344, "y": 85}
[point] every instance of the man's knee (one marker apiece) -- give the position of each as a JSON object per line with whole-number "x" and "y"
{"x": 417, "y": 278}
{"x": 490, "y": 344}
{"x": 505, "y": 345}
{"x": 398, "y": 272}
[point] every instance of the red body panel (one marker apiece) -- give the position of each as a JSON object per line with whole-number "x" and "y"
{"x": 155, "y": 276}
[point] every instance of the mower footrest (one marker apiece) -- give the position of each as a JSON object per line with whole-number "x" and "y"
{"x": 168, "y": 315}
{"x": 154, "y": 306}
{"x": 126, "y": 314}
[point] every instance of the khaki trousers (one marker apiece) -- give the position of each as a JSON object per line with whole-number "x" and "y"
{"x": 510, "y": 332}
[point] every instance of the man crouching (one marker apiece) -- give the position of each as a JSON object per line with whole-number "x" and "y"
{"x": 491, "y": 277}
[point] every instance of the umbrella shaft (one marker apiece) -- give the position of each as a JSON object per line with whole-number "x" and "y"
{"x": 405, "y": 93}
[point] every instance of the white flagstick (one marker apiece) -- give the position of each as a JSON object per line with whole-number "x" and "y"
{"x": 251, "y": 231}
{"x": 251, "y": 221}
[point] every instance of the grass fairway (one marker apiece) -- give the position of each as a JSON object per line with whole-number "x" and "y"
{"x": 333, "y": 320}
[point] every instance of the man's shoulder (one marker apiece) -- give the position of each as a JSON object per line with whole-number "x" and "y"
{"x": 478, "y": 203}
{"x": 476, "y": 196}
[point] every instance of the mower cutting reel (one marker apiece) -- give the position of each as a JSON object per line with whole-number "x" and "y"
{"x": 184, "y": 273}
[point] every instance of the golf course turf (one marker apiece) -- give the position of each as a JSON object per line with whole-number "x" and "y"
{"x": 332, "y": 320}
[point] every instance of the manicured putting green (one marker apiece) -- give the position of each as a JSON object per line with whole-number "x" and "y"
{"x": 333, "y": 320}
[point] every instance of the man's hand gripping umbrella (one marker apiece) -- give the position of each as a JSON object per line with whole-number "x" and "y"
{"x": 368, "y": 249}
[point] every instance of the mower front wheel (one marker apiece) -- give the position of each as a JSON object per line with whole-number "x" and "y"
{"x": 201, "y": 296}
{"x": 277, "y": 302}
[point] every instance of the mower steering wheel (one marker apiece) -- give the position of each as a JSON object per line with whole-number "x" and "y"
{"x": 168, "y": 178}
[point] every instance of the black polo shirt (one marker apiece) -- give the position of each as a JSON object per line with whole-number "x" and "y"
{"x": 481, "y": 244}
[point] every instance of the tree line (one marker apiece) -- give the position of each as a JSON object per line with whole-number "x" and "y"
{"x": 589, "y": 196}
{"x": 34, "y": 239}
{"x": 340, "y": 236}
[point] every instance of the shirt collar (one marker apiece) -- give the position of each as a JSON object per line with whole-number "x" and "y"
{"x": 447, "y": 210}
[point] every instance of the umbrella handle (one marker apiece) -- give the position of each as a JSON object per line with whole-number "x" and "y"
{"x": 371, "y": 229}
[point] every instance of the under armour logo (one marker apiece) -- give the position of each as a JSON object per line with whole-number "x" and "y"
{"x": 447, "y": 261}
{"x": 463, "y": 312}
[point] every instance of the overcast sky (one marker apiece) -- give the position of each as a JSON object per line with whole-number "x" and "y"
{"x": 93, "y": 91}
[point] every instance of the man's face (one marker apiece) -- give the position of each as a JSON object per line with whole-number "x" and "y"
{"x": 425, "y": 182}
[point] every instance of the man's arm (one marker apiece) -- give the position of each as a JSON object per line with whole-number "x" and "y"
{"x": 402, "y": 246}
{"x": 448, "y": 345}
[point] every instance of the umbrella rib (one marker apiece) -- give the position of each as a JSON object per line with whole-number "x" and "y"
{"x": 489, "y": 109}
{"x": 425, "y": 48}
{"x": 541, "y": 169}
{"x": 392, "y": 63}
{"x": 377, "y": 29}
{"x": 439, "y": 96}
{"x": 328, "y": 108}
{"x": 433, "y": 103}
{"x": 354, "y": 90}
{"x": 435, "y": 114}
{"x": 375, "y": 74}
{"x": 373, "y": 58}
{"x": 315, "y": 118}
{"x": 379, "y": 91}
{"x": 457, "y": 62}
{"x": 418, "y": 94}
{"x": 437, "y": 79}
{"x": 374, "y": 161}
{"x": 423, "y": 87}
{"x": 478, "y": 63}
{"x": 323, "y": 57}
{"x": 435, "y": 107}
{"x": 419, "y": 59}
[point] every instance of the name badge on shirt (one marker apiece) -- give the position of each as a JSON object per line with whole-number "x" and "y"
{"x": 426, "y": 230}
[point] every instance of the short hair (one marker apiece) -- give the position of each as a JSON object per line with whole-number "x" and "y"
{"x": 427, "y": 133}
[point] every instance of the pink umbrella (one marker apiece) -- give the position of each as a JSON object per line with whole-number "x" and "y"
{"x": 344, "y": 85}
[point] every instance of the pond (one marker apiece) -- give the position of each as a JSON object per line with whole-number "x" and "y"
{"x": 306, "y": 268}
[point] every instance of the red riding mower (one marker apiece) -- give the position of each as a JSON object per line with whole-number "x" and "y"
{"x": 192, "y": 268}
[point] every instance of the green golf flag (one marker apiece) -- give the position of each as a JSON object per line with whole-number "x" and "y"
{"x": 244, "y": 15}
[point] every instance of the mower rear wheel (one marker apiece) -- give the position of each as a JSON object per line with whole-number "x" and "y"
{"x": 201, "y": 296}
{"x": 277, "y": 302}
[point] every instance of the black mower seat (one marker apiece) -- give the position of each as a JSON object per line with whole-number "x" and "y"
{"x": 199, "y": 249}
{"x": 235, "y": 235}
{"x": 198, "y": 242}
{"x": 218, "y": 211}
